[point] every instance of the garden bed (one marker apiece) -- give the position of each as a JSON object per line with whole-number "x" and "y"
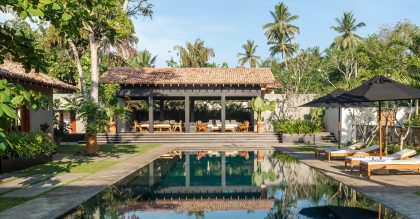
{"x": 9, "y": 165}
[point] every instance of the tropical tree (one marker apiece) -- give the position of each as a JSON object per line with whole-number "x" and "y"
{"x": 281, "y": 31}
{"x": 347, "y": 25}
{"x": 194, "y": 55}
{"x": 143, "y": 59}
{"x": 249, "y": 55}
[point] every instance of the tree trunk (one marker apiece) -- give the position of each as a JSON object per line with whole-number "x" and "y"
{"x": 82, "y": 84}
{"x": 94, "y": 86}
{"x": 417, "y": 107}
{"x": 125, "y": 5}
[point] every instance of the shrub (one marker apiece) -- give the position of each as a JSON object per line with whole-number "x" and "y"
{"x": 27, "y": 145}
{"x": 297, "y": 126}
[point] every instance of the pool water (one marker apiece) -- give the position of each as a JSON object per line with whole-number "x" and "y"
{"x": 229, "y": 184}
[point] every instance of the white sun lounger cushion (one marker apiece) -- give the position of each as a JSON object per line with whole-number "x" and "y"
{"x": 367, "y": 149}
{"x": 395, "y": 156}
{"x": 413, "y": 160}
{"x": 357, "y": 146}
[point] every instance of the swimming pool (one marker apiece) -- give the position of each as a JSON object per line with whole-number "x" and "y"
{"x": 229, "y": 184}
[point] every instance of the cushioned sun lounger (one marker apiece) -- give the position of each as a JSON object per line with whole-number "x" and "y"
{"x": 372, "y": 150}
{"x": 355, "y": 160}
{"x": 322, "y": 150}
{"x": 408, "y": 164}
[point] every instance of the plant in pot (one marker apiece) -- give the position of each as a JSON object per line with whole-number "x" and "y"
{"x": 115, "y": 112}
{"x": 95, "y": 120}
{"x": 259, "y": 106}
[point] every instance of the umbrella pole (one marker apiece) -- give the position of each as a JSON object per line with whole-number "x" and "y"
{"x": 339, "y": 127}
{"x": 380, "y": 129}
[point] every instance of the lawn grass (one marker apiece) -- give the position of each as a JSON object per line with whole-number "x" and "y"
{"x": 306, "y": 148}
{"x": 107, "y": 148}
{"x": 8, "y": 202}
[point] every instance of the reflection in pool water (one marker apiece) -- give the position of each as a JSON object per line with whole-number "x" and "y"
{"x": 229, "y": 184}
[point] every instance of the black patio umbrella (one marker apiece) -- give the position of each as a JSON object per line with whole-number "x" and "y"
{"x": 330, "y": 100}
{"x": 378, "y": 89}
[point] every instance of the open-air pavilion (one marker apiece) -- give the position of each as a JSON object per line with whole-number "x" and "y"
{"x": 189, "y": 85}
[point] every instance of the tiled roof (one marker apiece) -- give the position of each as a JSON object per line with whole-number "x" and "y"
{"x": 15, "y": 72}
{"x": 214, "y": 76}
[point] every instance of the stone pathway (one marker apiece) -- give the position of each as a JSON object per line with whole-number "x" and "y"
{"x": 21, "y": 182}
{"x": 8, "y": 177}
{"x": 63, "y": 199}
{"x": 46, "y": 185}
{"x": 395, "y": 191}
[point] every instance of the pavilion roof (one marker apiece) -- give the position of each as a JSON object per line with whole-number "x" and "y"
{"x": 14, "y": 72}
{"x": 190, "y": 76}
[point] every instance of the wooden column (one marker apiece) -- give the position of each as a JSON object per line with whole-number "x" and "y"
{"x": 150, "y": 101}
{"x": 187, "y": 114}
{"x": 223, "y": 113}
{"x": 161, "y": 110}
{"x": 251, "y": 116}
{"x": 192, "y": 119}
{"x": 121, "y": 123}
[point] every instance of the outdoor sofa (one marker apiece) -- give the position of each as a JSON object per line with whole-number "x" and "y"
{"x": 400, "y": 155}
{"x": 408, "y": 164}
{"x": 372, "y": 150}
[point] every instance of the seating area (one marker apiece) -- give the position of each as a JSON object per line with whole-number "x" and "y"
{"x": 210, "y": 126}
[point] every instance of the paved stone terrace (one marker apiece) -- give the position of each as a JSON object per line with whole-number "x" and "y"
{"x": 394, "y": 191}
{"x": 61, "y": 200}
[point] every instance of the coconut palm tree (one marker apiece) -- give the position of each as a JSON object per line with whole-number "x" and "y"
{"x": 280, "y": 32}
{"x": 194, "y": 55}
{"x": 143, "y": 59}
{"x": 249, "y": 55}
{"x": 347, "y": 25}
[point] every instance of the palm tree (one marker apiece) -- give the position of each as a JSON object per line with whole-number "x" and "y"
{"x": 143, "y": 59}
{"x": 283, "y": 46}
{"x": 347, "y": 25}
{"x": 249, "y": 55}
{"x": 194, "y": 55}
{"x": 280, "y": 32}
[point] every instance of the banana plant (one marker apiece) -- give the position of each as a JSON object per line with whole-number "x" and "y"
{"x": 259, "y": 106}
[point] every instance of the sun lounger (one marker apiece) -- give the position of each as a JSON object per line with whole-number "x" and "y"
{"x": 355, "y": 160}
{"x": 384, "y": 164}
{"x": 372, "y": 150}
{"x": 322, "y": 150}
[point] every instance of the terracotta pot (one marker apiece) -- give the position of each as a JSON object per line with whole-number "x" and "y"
{"x": 91, "y": 144}
{"x": 113, "y": 127}
{"x": 260, "y": 127}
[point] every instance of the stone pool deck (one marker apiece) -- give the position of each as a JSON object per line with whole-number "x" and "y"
{"x": 66, "y": 197}
{"x": 394, "y": 191}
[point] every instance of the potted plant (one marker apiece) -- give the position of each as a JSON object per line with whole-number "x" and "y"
{"x": 259, "y": 106}
{"x": 95, "y": 119}
{"x": 114, "y": 113}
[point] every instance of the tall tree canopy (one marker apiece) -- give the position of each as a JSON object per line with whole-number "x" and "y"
{"x": 249, "y": 55}
{"x": 143, "y": 59}
{"x": 194, "y": 55}
{"x": 281, "y": 31}
{"x": 346, "y": 27}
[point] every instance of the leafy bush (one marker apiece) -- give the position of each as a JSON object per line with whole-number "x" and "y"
{"x": 393, "y": 148}
{"x": 27, "y": 145}
{"x": 297, "y": 126}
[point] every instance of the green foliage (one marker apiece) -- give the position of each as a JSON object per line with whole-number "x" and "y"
{"x": 346, "y": 27}
{"x": 259, "y": 106}
{"x": 393, "y": 148}
{"x": 143, "y": 59}
{"x": 297, "y": 126}
{"x": 249, "y": 55}
{"x": 93, "y": 116}
{"x": 27, "y": 145}
{"x": 193, "y": 55}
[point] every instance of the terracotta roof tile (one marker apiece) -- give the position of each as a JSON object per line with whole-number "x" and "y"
{"x": 127, "y": 75}
{"x": 14, "y": 71}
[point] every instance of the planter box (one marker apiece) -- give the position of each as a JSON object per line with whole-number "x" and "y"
{"x": 20, "y": 163}
{"x": 300, "y": 138}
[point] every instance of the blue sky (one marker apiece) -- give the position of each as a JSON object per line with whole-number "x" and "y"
{"x": 225, "y": 25}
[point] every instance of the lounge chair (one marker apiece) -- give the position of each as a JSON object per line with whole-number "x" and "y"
{"x": 177, "y": 126}
{"x": 372, "y": 150}
{"x": 201, "y": 127}
{"x": 322, "y": 150}
{"x": 408, "y": 164}
{"x": 244, "y": 126}
{"x": 400, "y": 155}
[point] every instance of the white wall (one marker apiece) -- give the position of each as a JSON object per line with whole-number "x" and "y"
{"x": 80, "y": 127}
{"x": 331, "y": 119}
{"x": 36, "y": 118}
